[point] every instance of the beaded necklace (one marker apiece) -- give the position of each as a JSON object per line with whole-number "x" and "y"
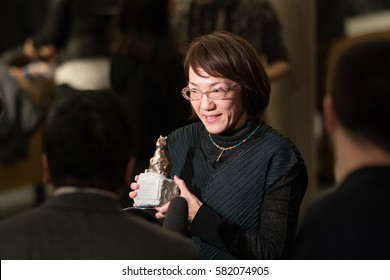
{"x": 232, "y": 147}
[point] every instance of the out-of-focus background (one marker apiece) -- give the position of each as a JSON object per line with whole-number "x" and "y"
{"x": 311, "y": 29}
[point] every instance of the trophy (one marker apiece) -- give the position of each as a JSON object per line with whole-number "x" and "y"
{"x": 155, "y": 189}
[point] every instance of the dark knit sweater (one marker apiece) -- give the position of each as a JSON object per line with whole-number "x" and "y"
{"x": 251, "y": 197}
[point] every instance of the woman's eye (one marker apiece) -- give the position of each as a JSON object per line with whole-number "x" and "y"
{"x": 220, "y": 90}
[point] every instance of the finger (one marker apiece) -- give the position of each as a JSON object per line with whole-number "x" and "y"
{"x": 134, "y": 186}
{"x": 132, "y": 194}
{"x": 159, "y": 215}
{"x": 163, "y": 209}
{"x": 136, "y": 177}
{"x": 181, "y": 184}
{"x": 177, "y": 179}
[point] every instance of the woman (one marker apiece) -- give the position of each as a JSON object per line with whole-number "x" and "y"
{"x": 243, "y": 181}
{"x": 146, "y": 69}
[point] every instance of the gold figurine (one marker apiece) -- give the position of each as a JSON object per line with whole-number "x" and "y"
{"x": 155, "y": 189}
{"x": 160, "y": 162}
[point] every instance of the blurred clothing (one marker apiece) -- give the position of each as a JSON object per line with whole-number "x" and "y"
{"x": 152, "y": 88}
{"x": 20, "y": 118}
{"x": 92, "y": 74}
{"x": 79, "y": 31}
{"x": 19, "y": 19}
{"x": 77, "y": 28}
{"x": 254, "y": 20}
{"x": 88, "y": 225}
{"x": 352, "y": 222}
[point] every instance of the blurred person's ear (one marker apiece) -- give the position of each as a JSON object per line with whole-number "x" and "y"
{"x": 329, "y": 115}
{"x": 46, "y": 170}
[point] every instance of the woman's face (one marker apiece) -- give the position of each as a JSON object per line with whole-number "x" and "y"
{"x": 217, "y": 115}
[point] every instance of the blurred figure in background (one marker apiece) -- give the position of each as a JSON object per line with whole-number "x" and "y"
{"x": 353, "y": 222}
{"x": 74, "y": 38}
{"x": 22, "y": 113}
{"x": 331, "y": 18}
{"x": 19, "y": 19}
{"x": 254, "y": 20}
{"x": 146, "y": 69}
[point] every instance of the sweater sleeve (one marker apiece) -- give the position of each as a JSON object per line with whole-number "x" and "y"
{"x": 275, "y": 237}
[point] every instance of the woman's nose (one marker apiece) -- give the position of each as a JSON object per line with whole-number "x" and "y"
{"x": 206, "y": 103}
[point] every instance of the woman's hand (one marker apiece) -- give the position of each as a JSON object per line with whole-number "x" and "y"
{"x": 162, "y": 211}
{"x": 134, "y": 187}
{"x": 193, "y": 202}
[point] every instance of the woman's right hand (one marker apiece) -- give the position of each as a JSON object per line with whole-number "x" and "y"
{"x": 134, "y": 187}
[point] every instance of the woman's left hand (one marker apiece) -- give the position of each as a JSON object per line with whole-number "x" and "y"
{"x": 193, "y": 202}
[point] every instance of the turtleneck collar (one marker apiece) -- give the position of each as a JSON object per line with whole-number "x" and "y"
{"x": 226, "y": 139}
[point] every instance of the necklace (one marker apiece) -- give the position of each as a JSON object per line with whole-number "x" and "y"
{"x": 232, "y": 147}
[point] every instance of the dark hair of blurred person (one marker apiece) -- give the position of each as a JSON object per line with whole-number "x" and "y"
{"x": 88, "y": 141}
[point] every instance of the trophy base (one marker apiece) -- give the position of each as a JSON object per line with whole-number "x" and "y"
{"x": 155, "y": 190}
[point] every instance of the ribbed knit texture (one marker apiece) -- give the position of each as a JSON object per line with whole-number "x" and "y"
{"x": 235, "y": 188}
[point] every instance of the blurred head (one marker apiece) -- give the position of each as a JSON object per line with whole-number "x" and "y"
{"x": 87, "y": 141}
{"x": 140, "y": 25}
{"x": 359, "y": 90}
{"x": 227, "y": 62}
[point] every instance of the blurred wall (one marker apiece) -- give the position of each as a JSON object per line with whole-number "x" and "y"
{"x": 291, "y": 109}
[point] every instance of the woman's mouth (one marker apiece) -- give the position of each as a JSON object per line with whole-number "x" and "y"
{"x": 211, "y": 118}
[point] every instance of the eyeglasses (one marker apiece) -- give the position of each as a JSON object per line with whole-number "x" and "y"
{"x": 214, "y": 94}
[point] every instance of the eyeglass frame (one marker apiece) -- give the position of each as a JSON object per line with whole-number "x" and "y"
{"x": 207, "y": 92}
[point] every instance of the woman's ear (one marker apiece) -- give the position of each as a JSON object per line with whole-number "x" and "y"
{"x": 46, "y": 169}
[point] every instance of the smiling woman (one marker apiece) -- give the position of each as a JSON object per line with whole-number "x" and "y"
{"x": 243, "y": 181}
